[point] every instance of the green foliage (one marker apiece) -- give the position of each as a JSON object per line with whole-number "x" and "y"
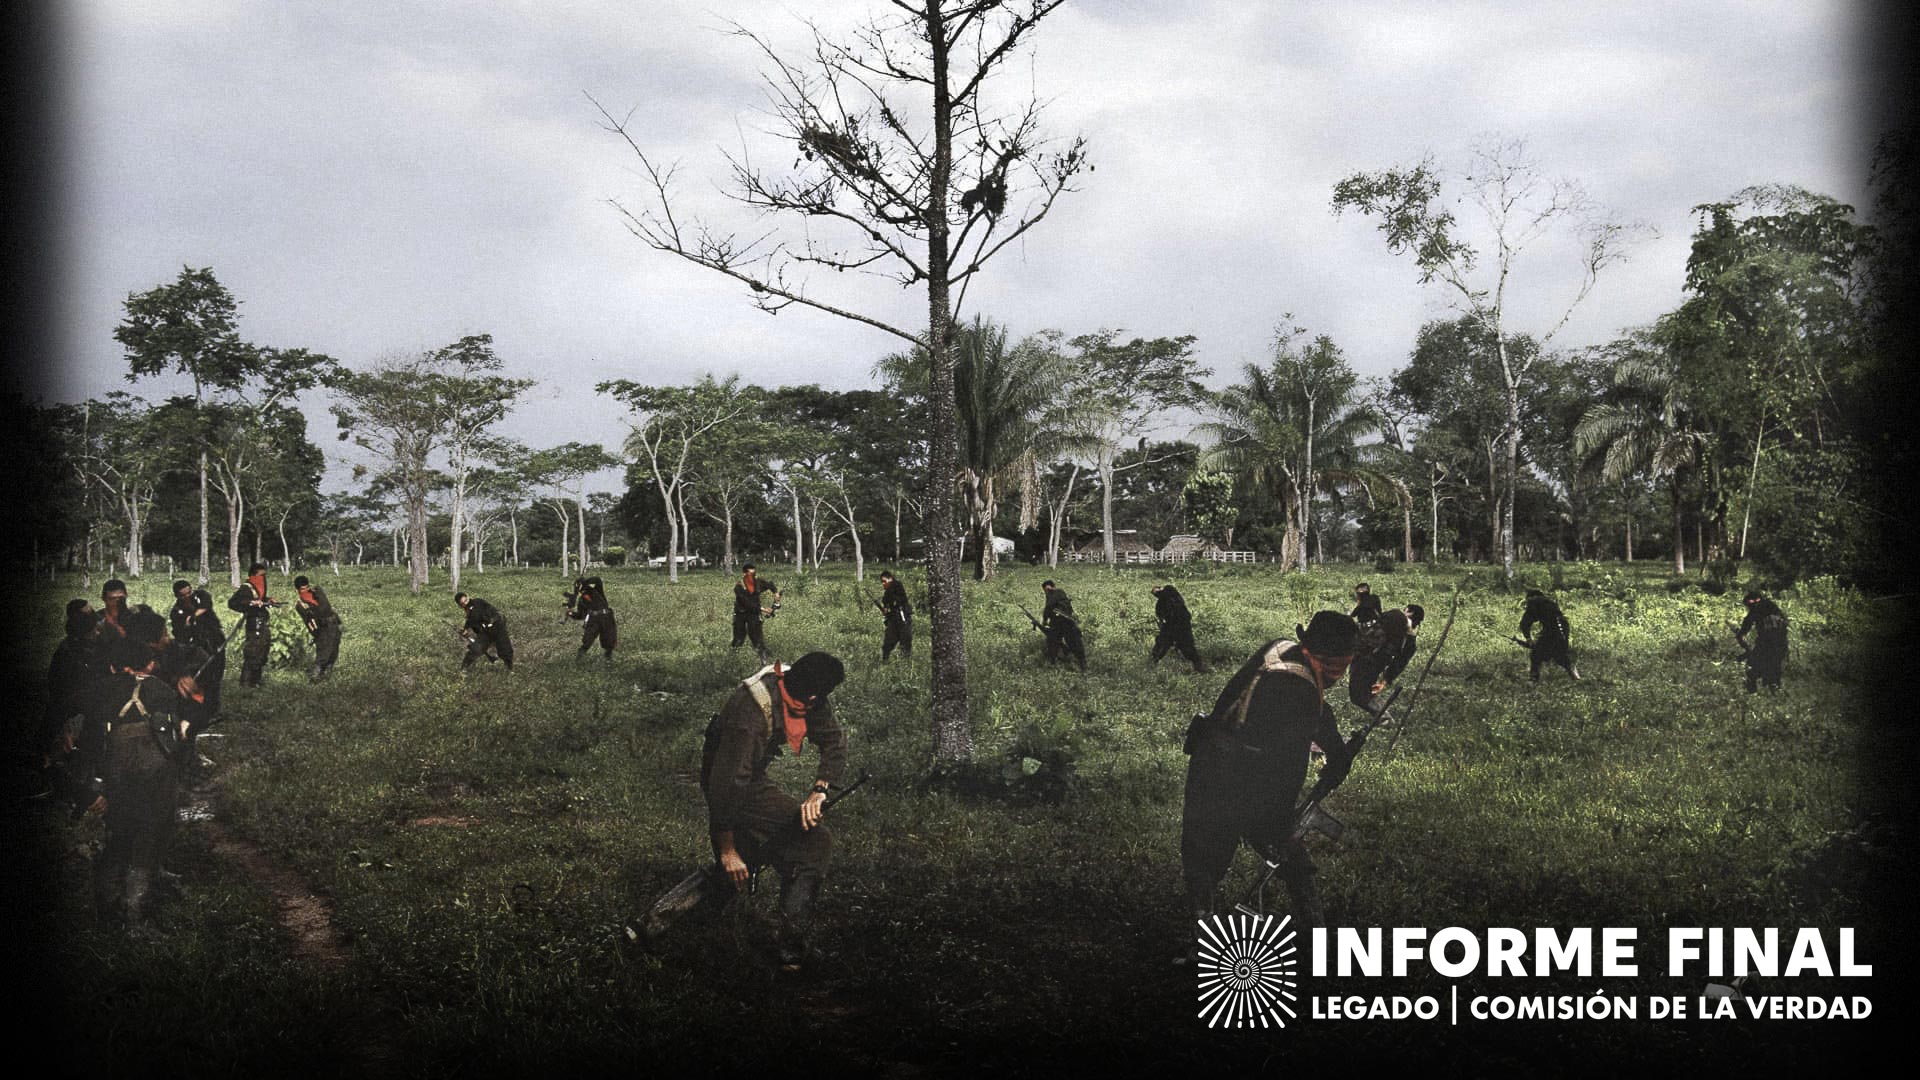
{"x": 614, "y": 555}
{"x": 481, "y": 839}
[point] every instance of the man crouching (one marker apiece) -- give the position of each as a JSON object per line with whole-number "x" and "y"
{"x": 751, "y": 822}
{"x": 1249, "y": 757}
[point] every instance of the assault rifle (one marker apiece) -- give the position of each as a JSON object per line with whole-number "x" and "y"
{"x": 1030, "y": 618}
{"x": 704, "y": 884}
{"x": 753, "y": 873}
{"x": 1520, "y": 641}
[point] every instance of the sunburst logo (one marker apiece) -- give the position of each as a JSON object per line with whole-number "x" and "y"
{"x": 1247, "y": 971}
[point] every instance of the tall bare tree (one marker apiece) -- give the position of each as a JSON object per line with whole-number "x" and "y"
{"x": 1517, "y": 207}
{"x": 905, "y": 170}
{"x": 669, "y": 421}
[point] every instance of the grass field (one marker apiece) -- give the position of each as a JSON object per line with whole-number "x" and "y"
{"x": 480, "y": 840}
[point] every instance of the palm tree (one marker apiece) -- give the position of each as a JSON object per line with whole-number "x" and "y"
{"x": 1645, "y": 425}
{"x": 1280, "y": 428}
{"x": 1006, "y": 397}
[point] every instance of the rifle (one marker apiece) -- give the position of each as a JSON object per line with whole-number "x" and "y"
{"x": 704, "y": 884}
{"x": 1520, "y": 641}
{"x": 1401, "y": 728}
{"x": 1030, "y": 618}
{"x": 753, "y": 872}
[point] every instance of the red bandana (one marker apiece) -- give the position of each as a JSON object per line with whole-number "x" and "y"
{"x": 306, "y": 597}
{"x": 795, "y": 712}
{"x": 747, "y": 581}
{"x": 259, "y": 583}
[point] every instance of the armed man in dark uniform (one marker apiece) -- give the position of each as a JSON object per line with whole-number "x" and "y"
{"x": 485, "y": 629}
{"x": 195, "y": 623}
{"x": 139, "y": 722}
{"x": 70, "y": 678}
{"x": 1554, "y": 642}
{"x": 1767, "y": 653}
{"x": 747, "y": 612}
{"x": 1249, "y": 758}
{"x": 251, "y": 601}
{"x": 1382, "y": 643}
{"x": 1366, "y": 606}
{"x": 1176, "y": 627}
{"x": 587, "y": 602}
{"x": 1060, "y": 626}
{"x": 750, "y": 821}
{"x": 323, "y": 625}
{"x": 897, "y": 611}
{"x": 112, "y": 613}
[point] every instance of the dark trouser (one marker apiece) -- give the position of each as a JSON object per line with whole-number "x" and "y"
{"x": 326, "y": 648}
{"x": 1063, "y": 640}
{"x": 1763, "y": 669}
{"x": 143, "y": 791}
{"x": 253, "y": 656}
{"x": 1546, "y": 651}
{"x": 1234, "y": 796}
{"x": 482, "y": 641}
{"x": 900, "y": 633}
{"x": 210, "y": 678}
{"x": 747, "y": 627}
{"x": 1180, "y": 638}
{"x": 1360, "y": 679}
{"x": 599, "y": 627}
{"x": 766, "y": 830}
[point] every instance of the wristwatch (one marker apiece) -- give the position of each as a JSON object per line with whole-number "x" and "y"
{"x": 820, "y": 787}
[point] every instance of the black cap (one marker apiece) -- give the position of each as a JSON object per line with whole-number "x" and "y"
{"x": 1329, "y": 633}
{"x": 814, "y": 675}
{"x": 1752, "y": 595}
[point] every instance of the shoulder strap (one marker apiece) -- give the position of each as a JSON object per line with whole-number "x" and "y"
{"x": 761, "y": 697}
{"x": 1270, "y": 663}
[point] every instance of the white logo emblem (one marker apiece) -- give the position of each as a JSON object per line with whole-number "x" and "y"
{"x": 1247, "y": 971}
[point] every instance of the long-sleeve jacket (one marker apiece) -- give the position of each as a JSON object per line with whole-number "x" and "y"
{"x": 894, "y": 602}
{"x": 482, "y": 618}
{"x": 1366, "y": 609}
{"x": 251, "y": 605}
{"x": 1059, "y": 604}
{"x": 743, "y": 740}
{"x": 319, "y": 613}
{"x": 1170, "y": 608}
{"x": 1773, "y": 631}
{"x": 746, "y": 602}
{"x": 1284, "y": 714}
{"x": 588, "y": 597}
{"x": 1543, "y": 611}
{"x": 194, "y": 622}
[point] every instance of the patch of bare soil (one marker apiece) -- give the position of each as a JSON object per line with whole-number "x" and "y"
{"x": 444, "y": 821}
{"x": 307, "y": 917}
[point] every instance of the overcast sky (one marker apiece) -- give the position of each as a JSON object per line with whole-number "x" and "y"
{"x": 375, "y": 177}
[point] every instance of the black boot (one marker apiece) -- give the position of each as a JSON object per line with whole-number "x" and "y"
{"x": 796, "y": 918}
{"x": 1203, "y": 902}
{"x": 704, "y": 889}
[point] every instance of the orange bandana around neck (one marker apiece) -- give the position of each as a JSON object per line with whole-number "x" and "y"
{"x": 306, "y": 597}
{"x": 795, "y": 712}
{"x": 259, "y": 583}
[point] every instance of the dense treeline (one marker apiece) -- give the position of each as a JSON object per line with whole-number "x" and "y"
{"x": 1737, "y": 427}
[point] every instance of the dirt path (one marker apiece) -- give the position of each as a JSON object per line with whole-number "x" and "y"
{"x": 308, "y": 918}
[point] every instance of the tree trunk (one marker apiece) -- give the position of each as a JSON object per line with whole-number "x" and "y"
{"x": 580, "y": 515}
{"x": 952, "y": 735}
{"x": 235, "y": 517}
{"x": 205, "y": 551}
{"x": 459, "y": 529}
{"x": 1105, "y": 461}
{"x": 1629, "y": 536}
{"x": 418, "y": 571}
{"x": 1679, "y": 532}
{"x": 513, "y": 523}
{"x": 799, "y": 535}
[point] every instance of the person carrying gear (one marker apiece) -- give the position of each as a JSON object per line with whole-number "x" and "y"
{"x": 750, "y": 821}
{"x": 485, "y": 629}
{"x": 1366, "y": 606}
{"x": 747, "y": 612}
{"x": 1176, "y": 627}
{"x": 1768, "y": 652}
{"x": 195, "y": 623}
{"x": 587, "y": 602}
{"x": 139, "y": 727}
{"x": 1553, "y": 644}
{"x": 1248, "y": 759}
{"x": 251, "y": 601}
{"x": 897, "y": 611}
{"x": 1060, "y": 626}
{"x": 323, "y": 624}
{"x": 1382, "y": 643}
